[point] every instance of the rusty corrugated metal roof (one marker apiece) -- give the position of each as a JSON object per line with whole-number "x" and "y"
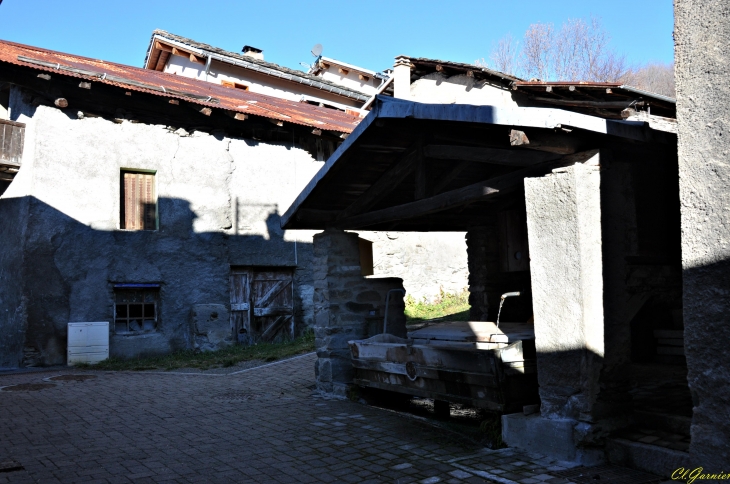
{"x": 179, "y": 87}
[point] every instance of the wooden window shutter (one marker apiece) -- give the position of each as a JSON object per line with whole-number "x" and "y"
{"x": 140, "y": 201}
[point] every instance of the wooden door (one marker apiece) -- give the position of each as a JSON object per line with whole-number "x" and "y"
{"x": 240, "y": 305}
{"x": 262, "y": 304}
{"x": 272, "y": 298}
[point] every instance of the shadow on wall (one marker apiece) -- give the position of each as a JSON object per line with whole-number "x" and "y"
{"x": 55, "y": 270}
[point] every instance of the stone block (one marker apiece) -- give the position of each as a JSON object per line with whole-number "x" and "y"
{"x": 554, "y": 438}
{"x": 324, "y": 370}
{"x": 211, "y": 326}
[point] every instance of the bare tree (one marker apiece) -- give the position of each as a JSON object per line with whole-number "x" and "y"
{"x": 579, "y": 51}
{"x": 653, "y": 77}
{"x": 504, "y": 55}
{"x": 537, "y": 56}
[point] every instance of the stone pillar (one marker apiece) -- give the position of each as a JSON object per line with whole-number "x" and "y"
{"x": 345, "y": 302}
{"x": 564, "y": 227}
{"x": 702, "y": 54}
{"x": 564, "y": 224}
{"x": 483, "y": 259}
{"x": 402, "y": 78}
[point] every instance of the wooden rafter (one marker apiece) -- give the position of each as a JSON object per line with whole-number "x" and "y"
{"x": 509, "y": 157}
{"x": 476, "y": 192}
{"x": 385, "y": 184}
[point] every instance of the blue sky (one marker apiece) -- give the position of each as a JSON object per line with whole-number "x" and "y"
{"x": 369, "y": 34}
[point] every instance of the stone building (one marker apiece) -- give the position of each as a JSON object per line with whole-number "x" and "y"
{"x": 428, "y": 263}
{"x": 150, "y": 201}
{"x": 328, "y": 83}
{"x": 565, "y": 197}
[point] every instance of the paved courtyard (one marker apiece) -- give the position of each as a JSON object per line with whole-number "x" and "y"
{"x": 261, "y": 424}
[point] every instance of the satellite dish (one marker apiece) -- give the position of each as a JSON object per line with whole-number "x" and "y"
{"x": 316, "y": 50}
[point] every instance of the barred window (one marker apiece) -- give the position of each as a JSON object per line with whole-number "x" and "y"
{"x": 135, "y": 310}
{"x": 138, "y": 201}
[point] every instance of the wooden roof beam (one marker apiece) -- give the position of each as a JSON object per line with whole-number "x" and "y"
{"x": 385, "y": 184}
{"x": 509, "y": 157}
{"x": 550, "y": 142}
{"x": 475, "y": 192}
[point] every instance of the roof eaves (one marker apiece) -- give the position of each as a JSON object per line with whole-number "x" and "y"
{"x": 463, "y": 66}
{"x": 648, "y": 94}
{"x": 257, "y": 65}
{"x": 167, "y": 85}
{"x": 349, "y": 66}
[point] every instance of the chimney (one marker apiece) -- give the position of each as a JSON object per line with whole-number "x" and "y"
{"x": 402, "y": 77}
{"x": 253, "y": 52}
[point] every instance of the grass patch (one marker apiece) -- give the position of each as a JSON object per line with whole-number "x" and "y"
{"x": 455, "y": 306}
{"x": 213, "y": 359}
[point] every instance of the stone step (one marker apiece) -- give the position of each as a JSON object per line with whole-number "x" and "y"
{"x": 676, "y": 424}
{"x": 645, "y": 457}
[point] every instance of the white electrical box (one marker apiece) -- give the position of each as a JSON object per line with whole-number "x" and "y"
{"x": 88, "y": 342}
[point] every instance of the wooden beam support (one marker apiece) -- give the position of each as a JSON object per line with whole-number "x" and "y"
{"x": 161, "y": 61}
{"x": 343, "y": 71}
{"x": 163, "y": 47}
{"x": 61, "y": 102}
{"x": 550, "y": 142}
{"x": 236, "y": 115}
{"x": 363, "y": 77}
{"x": 488, "y": 155}
{"x": 450, "y": 176}
{"x": 385, "y": 184}
{"x": 194, "y": 58}
{"x": 475, "y": 192}
{"x": 590, "y": 104}
{"x": 204, "y": 110}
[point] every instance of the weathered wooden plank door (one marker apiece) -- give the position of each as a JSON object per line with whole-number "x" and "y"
{"x": 262, "y": 304}
{"x": 12, "y": 135}
{"x": 272, "y": 298}
{"x": 241, "y": 305}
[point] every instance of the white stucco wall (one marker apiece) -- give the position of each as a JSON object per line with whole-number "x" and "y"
{"x": 350, "y": 80}
{"x": 438, "y": 88}
{"x": 427, "y": 262}
{"x": 257, "y": 82}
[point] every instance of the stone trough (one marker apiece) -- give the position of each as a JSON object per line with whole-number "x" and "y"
{"x": 469, "y": 362}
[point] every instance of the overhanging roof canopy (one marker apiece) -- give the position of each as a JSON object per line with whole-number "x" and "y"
{"x": 424, "y": 167}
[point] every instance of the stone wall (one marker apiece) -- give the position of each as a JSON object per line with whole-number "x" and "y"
{"x": 428, "y": 262}
{"x": 219, "y": 201}
{"x": 345, "y": 303}
{"x": 702, "y": 54}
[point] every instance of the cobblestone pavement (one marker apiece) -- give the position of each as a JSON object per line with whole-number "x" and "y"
{"x": 263, "y": 425}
